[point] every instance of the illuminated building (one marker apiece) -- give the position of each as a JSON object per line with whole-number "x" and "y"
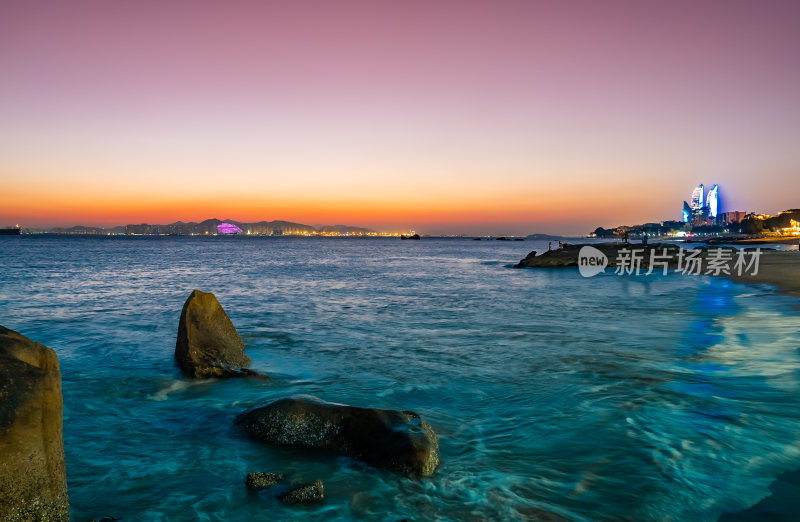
{"x": 727, "y": 218}
{"x": 702, "y": 210}
{"x": 687, "y": 212}
{"x": 793, "y": 229}
{"x": 697, "y": 197}
{"x": 712, "y": 201}
{"x": 228, "y": 228}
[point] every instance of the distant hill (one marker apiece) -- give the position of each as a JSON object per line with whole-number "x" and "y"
{"x": 208, "y": 226}
{"x": 78, "y": 230}
{"x": 342, "y": 229}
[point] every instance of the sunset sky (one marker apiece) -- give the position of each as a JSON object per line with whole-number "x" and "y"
{"x": 491, "y": 117}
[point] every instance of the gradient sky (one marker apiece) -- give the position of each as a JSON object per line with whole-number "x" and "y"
{"x": 502, "y": 117}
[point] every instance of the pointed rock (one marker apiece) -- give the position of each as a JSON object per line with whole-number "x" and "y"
{"x": 208, "y": 344}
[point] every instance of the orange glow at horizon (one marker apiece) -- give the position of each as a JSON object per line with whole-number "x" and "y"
{"x": 382, "y": 211}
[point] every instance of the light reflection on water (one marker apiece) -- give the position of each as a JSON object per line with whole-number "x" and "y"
{"x": 594, "y": 399}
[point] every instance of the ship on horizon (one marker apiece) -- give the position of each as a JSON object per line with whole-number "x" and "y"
{"x": 11, "y": 231}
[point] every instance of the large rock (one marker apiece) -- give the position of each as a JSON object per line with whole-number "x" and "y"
{"x": 208, "y": 344}
{"x": 33, "y": 481}
{"x": 397, "y": 440}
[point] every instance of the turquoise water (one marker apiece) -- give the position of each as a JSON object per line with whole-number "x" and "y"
{"x": 658, "y": 398}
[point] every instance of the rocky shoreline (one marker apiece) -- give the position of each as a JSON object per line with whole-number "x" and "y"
{"x": 569, "y": 254}
{"x": 780, "y": 269}
{"x": 33, "y": 483}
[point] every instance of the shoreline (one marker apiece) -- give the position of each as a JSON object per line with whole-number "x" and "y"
{"x": 780, "y": 269}
{"x": 748, "y": 241}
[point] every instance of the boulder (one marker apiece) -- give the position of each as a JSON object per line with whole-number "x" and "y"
{"x": 33, "y": 481}
{"x": 396, "y": 440}
{"x": 258, "y": 480}
{"x": 305, "y": 494}
{"x": 208, "y": 344}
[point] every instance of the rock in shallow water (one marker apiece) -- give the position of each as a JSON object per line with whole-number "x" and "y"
{"x": 208, "y": 344}
{"x": 33, "y": 482}
{"x": 305, "y": 494}
{"x": 258, "y": 480}
{"x": 569, "y": 254}
{"x": 396, "y": 440}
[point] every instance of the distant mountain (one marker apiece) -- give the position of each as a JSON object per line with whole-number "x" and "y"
{"x": 208, "y": 226}
{"x": 78, "y": 230}
{"x": 342, "y": 229}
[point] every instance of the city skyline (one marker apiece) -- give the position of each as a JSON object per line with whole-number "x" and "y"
{"x": 443, "y": 117}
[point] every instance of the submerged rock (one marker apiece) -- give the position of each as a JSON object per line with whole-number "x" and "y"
{"x": 305, "y": 494}
{"x": 396, "y": 440}
{"x": 782, "y": 504}
{"x": 208, "y": 344}
{"x": 33, "y": 481}
{"x": 258, "y": 480}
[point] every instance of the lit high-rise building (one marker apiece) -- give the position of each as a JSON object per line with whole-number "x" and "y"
{"x": 697, "y": 197}
{"x": 700, "y": 209}
{"x": 712, "y": 202}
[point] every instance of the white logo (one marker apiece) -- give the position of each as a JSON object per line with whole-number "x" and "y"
{"x": 591, "y": 261}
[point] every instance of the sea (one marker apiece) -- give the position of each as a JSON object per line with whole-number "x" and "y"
{"x": 554, "y": 396}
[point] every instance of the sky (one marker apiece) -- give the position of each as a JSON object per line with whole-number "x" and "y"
{"x": 444, "y": 117}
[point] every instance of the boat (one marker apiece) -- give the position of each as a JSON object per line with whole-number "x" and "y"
{"x": 413, "y": 236}
{"x": 13, "y": 231}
